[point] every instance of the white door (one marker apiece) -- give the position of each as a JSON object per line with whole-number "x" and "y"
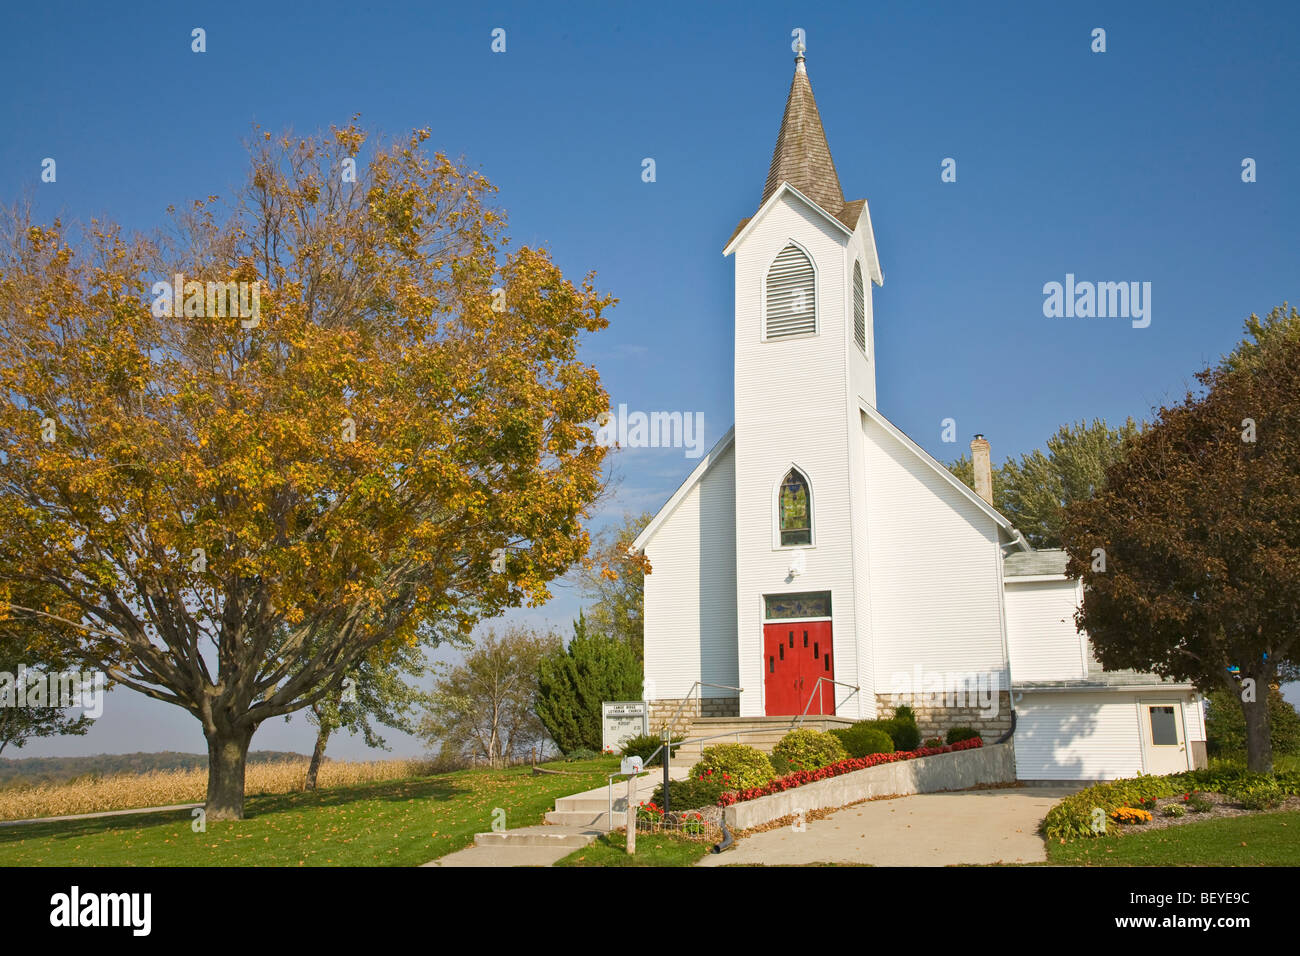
{"x": 1164, "y": 740}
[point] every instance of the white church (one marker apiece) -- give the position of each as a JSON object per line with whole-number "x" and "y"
{"x": 818, "y": 561}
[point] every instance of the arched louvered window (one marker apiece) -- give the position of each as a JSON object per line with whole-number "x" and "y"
{"x": 794, "y": 509}
{"x": 791, "y": 295}
{"x": 859, "y": 309}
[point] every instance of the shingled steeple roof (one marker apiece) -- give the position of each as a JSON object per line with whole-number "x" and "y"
{"x": 802, "y": 158}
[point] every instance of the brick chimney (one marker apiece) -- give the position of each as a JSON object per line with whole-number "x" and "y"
{"x": 983, "y": 465}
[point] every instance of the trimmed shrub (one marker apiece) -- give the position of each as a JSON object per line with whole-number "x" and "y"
{"x": 581, "y": 753}
{"x": 861, "y": 740}
{"x": 646, "y": 744}
{"x": 903, "y": 733}
{"x": 904, "y": 714}
{"x": 779, "y": 764}
{"x": 1261, "y": 794}
{"x": 933, "y": 742}
{"x": 691, "y": 794}
{"x": 956, "y": 734}
{"x": 738, "y": 766}
{"x": 808, "y": 749}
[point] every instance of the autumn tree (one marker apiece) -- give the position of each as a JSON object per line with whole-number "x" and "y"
{"x": 1190, "y": 554}
{"x": 486, "y": 705}
{"x": 613, "y": 580}
{"x": 232, "y": 499}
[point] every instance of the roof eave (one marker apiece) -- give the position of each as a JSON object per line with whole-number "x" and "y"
{"x": 767, "y": 206}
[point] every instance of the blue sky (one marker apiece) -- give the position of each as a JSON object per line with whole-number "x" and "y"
{"x": 1115, "y": 166}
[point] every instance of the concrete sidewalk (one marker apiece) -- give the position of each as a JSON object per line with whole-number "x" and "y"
{"x": 578, "y": 820}
{"x": 102, "y": 813}
{"x": 925, "y": 829}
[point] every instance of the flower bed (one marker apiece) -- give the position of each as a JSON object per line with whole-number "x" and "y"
{"x": 801, "y": 777}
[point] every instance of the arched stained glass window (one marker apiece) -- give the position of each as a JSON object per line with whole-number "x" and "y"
{"x": 794, "y": 509}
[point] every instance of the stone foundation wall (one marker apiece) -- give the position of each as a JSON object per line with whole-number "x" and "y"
{"x": 934, "y": 716}
{"x": 661, "y": 711}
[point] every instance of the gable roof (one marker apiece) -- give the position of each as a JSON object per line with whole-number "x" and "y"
{"x": 708, "y": 461}
{"x": 802, "y": 157}
{"x": 1017, "y": 539}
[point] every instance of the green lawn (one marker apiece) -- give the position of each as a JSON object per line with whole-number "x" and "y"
{"x": 1265, "y": 839}
{"x": 393, "y": 823}
{"x": 651, "y": 850}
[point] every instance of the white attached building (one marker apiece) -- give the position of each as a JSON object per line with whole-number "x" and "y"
{"x": 818, "y": 560}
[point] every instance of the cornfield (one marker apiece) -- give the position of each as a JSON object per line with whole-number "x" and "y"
{"x": 125, "y": 791}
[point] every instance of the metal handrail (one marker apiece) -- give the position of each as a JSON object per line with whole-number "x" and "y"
{"x": 667, "y": 742}
{"x": 817, "y": 688}
{"x": 668, "y": 730}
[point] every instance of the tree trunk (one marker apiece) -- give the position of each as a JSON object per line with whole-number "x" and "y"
{"x": 227, "y": 757}
{"x": 1259, "y": 745}
{"x": 317, "y": 756}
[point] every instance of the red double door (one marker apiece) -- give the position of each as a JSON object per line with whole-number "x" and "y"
{"x": 795, "y": 654}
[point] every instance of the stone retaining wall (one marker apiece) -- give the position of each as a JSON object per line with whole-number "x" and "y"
{"x": 936, "y": 718}
{"x": 661, "y": 711}
{"x": 950, "y": 771}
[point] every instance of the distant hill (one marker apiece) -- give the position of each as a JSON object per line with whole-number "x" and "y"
{"x": 30, "y": 770}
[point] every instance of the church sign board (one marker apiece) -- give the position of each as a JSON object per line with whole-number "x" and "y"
{"x": 621, "y": 720}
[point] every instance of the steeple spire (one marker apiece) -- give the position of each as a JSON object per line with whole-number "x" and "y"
{"x": 802, "y": 158}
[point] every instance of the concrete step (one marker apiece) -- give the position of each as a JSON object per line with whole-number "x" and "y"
{"x": 554, "y": 836}
{"x": 595, "y": 820}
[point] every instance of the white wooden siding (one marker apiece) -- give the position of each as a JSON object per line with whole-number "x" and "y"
{"x": 1093, "y": 736}
{"x": 1042, "y": 638}
{"x": 690, "y": 594}
{"x": 936, "y": 589}
{"x": 792, "y": 401}
{"x": 1194, "y": 718}
{"x": 1088, "y": 736}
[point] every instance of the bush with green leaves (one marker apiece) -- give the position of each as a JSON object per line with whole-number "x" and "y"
{"x": 581, "y": 753}
{"x": 808, "y": 749}
{"x": 691, "y": 794}
{"x": 572, "y": 682}
{"x": 862, "y": 739}
{"x": 902, "y": 731}
{"x": 646, "y": 744}
{"x": 958, "y": 734}
{"x": 780, "y": 764}
{"x": 1173, "y": 810}
{"x": 1261, "y": 794}
{"x": 1072, "y": 817}
{"x": 738, "y": 765}
{"x": 933, "y": 742}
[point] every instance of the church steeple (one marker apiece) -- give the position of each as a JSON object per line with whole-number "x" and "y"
{"x": 802, "y": 158}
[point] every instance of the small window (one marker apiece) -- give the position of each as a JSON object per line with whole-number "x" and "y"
{"x": 794, "y": 507}
{"x": 793, "y": 606}
{"x": 791, "y": 295}
{"x": 859, "y": 309}
{"x": 1164, "y": 727}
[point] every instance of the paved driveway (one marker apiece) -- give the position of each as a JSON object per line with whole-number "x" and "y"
{"x": 927, "y": 829}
